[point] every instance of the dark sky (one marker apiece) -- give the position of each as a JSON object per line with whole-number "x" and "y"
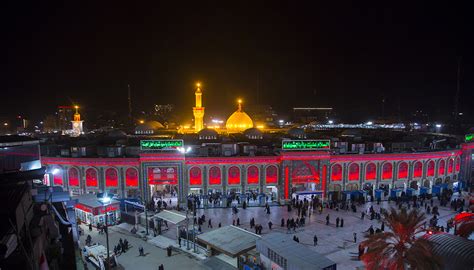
{"x": 347, "y": 56}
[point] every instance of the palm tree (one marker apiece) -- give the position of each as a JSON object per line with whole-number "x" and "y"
{"x": 399, "y": 247}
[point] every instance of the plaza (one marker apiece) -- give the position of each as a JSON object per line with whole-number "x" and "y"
{"x": 335, "y": 243}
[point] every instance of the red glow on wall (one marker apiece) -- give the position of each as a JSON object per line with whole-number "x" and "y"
{"x": 58, "y": 179}
{"x": 336, "y": 172}
{"x": 418, "y": 169}
{"x": 458, "y": 164}
{"x": 73, "y": 176}
{"x": 252, "y": 175}
{"x": 354, "y": 172}
{"x": 430, "y": 171}
{"x": 271, "y": 175}
{"x": 195, "y": 176}
{"x": 214, "y": 176}
{"x": 387, "y": 171}
{"x": 286, "y": 183}
{"x": 91, "y": 177}
{"x": 131, "y": 177}
{"x": 441, "y": 168}
{"x": 162, "y": 175}
{"x": 403, "y": 170}
{"x": 450, "y": 165}
{"x": 371, "y": 172}
{"x": 233, "y": 175}
{"x": 83, "y": 208}
{"x": 111, "y": 177}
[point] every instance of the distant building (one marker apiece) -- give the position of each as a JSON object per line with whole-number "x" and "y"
{"x": 65, "y": 116}
{"x": 262, "y": 114}
{"x": 307, "y": 115}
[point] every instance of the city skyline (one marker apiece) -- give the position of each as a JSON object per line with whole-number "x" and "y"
{"x": 364, "y": 61}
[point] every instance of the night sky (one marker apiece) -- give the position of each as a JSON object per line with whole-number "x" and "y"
{"x": 348, "y": 56}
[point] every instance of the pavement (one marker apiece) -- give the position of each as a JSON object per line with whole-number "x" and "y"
{"x": 336, "y": 244}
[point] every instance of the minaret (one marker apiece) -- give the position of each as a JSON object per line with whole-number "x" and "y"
{"x": 77, "y": 123}
{"x": 198, "y": 111}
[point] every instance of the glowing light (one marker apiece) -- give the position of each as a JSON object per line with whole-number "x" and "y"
{"x": 281, "y": 121}
{"x": 76, "y": 107}
{"x": 369, "y": 123}
{"x": 438, "y": 125}
{"x": 5, "y": 124}
{"x": 260, "y": 126}
{"x": 183, "y": 150}
{"x": 330, "y": 122}
{"x": 239, "y": 101}
{"x": 55, "y": 171}
{"x": 217, "y": 121}
{"x": 198, "y": 84}
{"x": 141, "y": 121}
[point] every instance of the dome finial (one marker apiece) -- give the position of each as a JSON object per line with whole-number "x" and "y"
{"x": 239, "y": 101}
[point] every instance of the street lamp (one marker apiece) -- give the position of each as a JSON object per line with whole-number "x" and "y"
{"x": 105, "y": 199}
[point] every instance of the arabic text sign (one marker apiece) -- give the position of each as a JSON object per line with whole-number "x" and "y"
{"x": 298, "y": 145}
{"x": 160, "y": 144}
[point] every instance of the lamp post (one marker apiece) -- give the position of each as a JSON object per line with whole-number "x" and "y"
{"x": 105, "y": 200}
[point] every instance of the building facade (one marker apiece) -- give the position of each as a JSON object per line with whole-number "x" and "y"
{"x": 317, "y": 173}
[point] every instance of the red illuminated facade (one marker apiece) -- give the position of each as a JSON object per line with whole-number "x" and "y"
{"x": 283, "y": 173}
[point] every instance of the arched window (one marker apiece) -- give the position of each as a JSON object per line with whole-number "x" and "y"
{"x": 418, "y": 169}
{"x": 195, "y": 176}
{"x": 387, "y": 171}
{"x": 214, "y": 176}
{"x": 370, "y": 171}
{"x": 252, "y": 175}
{"x": 271, "y": 174}
{"x": 431, "y": 168}
{"x": 458, "y": 164}
{"x": 233, "y": 175}
{"x": 111, "y": 177}
{"x": 403, "y": 170}
{"x": 336, "y": 172}
{"x": 354, "y": 172}
{"x": 91, "y": 177}
{"x": 73, "y": 176}
{"x": 57, "y": 176}
{"x": 450, "y": 166}
{"x": 441, "y": 167}
{"x": 131, "y": 177}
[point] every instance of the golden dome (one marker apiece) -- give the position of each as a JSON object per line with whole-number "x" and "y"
{"x": 238, "y": 121}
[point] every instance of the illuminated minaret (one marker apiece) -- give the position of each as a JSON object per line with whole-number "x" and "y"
{"x": 198, "y": 111}
{"x": 76, "y": 124}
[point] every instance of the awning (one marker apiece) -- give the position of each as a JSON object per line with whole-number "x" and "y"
{"x": 230, "y": 240}
{"x": 174, "y": 217}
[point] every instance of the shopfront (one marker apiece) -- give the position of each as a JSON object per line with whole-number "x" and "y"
{"x": 90, "y": 211}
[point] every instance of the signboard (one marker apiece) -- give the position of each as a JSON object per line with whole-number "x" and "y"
{"x": 469, "y": 138}
{"x": 305, "y": 145}
{"x": 164, "y": 145}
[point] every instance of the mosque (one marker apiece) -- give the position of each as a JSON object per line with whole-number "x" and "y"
{"x": 237, "y": 122}
{"x": 243, "y": 161}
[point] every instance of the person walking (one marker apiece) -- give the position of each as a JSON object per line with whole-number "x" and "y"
{"x": 327, "y": 219}
{"x": 342, "y": 222}
{"x": 238, "y": 221}
{"x": 282, "y": 222}
{"x": 219, "y": 225}
{"x": 337, "y": 222}
{"x": 315, "y": 240}
{"x": 209, "y": 224}
{"x": 355, "y": 237}
{"x": 383, "y": 226}
{"x": 270, "y": 224}
{"x": 90, "y": 227}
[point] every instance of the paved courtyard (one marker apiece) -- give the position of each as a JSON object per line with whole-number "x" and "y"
{"x": 336, "y": 244}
